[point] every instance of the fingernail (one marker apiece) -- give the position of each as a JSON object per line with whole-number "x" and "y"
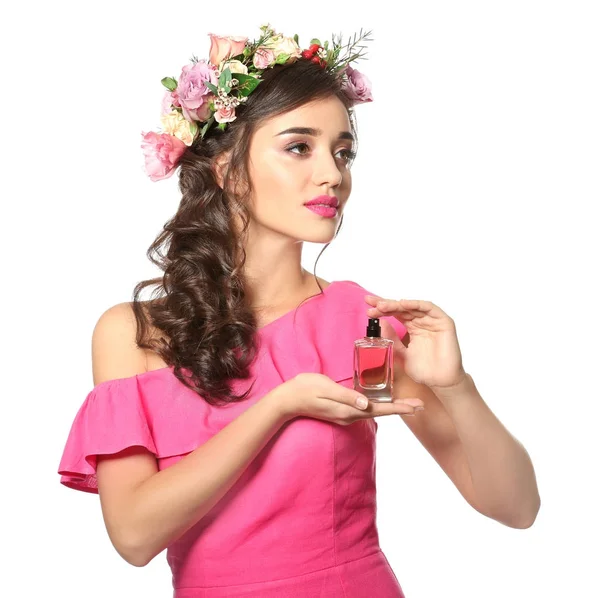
{"x": 419, "y": 408}
{"x": 362, "y": 403}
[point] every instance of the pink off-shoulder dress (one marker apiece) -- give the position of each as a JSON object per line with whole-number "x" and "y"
{"x": 300, "y": 522}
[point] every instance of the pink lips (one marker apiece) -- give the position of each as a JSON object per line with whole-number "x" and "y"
{"x": 323, "y": 205}
{"x": 328, "y": 200}
{"x": 325, "y": 211}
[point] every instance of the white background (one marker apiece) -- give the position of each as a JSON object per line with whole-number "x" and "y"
{"x": 475, "y": 187}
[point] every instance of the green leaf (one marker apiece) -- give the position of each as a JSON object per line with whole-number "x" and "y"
{"x": 169, "y": 83}
{"x": 225, "y": 78}
{"x": 247, "y": 84}
{"x": 315, "y": 41}
{"x": 296, "y": 38}
{"x": 209, "y": 122}
{"x": 222, "y": 126}
{"x": 326, "y": 44}
{"x": 282, "y": 58}
{"x": 212, "y": 87}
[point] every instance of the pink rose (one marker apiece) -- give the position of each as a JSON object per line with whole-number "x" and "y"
{"x": 263, "y": 57}
{"x": 165, "y": 106}
{"x": 225, "y": 115}
{"x": 192, "y": 92}
{"x": 169, "y": 99}
{"x": 225, "y": 46}
{"x": 358, "y": 86}
{"x": 161, "y": 153}
{"x": 203, "y": 113}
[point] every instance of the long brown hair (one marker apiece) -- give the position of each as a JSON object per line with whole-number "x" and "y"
{"x": 199, "y": 305}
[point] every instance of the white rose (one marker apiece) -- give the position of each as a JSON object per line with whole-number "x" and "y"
{"x": 283, "y": 45}
{"x": 235, "y": 66}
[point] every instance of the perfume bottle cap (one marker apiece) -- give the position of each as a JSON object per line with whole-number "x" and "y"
{"x": 373, "y": 327}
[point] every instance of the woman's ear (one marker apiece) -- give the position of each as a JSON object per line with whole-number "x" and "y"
{"x": 219, "y": 165}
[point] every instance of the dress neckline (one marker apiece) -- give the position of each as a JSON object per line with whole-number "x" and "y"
{"x": 291, "y": 311}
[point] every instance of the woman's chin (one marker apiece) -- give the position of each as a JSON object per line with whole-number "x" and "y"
{"x": 316, "y": 236}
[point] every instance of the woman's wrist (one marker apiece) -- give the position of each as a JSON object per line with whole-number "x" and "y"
{"x": 278, "y": 406}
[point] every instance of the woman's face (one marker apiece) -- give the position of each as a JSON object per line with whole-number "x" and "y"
{"x": 289, "y": 169}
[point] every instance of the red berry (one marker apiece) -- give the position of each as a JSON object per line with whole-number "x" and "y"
{"x": 314, "y": 47}
{"x": 307, "y": 54}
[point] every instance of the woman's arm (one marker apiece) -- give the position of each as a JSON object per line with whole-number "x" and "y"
{"x": 145, "y": 509}
{"x": 164, "y": 506}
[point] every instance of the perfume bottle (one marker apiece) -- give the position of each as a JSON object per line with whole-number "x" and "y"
{"x": 373, "y": 364}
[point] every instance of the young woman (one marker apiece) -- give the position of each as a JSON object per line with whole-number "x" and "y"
{"x": 223, "y": 425}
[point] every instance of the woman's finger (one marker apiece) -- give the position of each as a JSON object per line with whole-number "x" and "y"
{"x": 403, "y": 407}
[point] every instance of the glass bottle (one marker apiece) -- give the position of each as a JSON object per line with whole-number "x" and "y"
{"x": 373, "y": 364}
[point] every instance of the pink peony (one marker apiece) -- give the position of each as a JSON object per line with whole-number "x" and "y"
{"x": 223, "y": 47}
{"x": 358, "y": 86}
{"x": 161, "y": 153}
{"x": 192, "y": 92}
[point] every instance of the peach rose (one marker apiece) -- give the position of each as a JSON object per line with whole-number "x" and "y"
{"x": 225, "y": 46}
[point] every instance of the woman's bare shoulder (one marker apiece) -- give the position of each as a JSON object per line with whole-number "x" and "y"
{"x": 115, "y": 353}
{"x": 152, "y": 360}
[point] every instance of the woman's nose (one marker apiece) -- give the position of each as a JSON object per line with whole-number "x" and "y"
{"x": 329, "y": 172}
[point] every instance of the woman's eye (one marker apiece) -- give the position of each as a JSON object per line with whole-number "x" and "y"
{"x": 296, "y": 146}
{"x": 350, "y": 154}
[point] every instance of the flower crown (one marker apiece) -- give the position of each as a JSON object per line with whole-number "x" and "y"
{"x": 209, "y": 91}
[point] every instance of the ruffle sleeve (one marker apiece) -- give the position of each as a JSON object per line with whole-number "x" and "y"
{"x": 111, "y": 419}
{"x": 152, "y": 409}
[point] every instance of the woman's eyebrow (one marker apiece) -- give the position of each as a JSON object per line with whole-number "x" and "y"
{"x": 314, "y": 132}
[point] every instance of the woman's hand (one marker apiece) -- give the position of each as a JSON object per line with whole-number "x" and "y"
{"x": 316, "y": 395}
{"x": 433, "y": 354}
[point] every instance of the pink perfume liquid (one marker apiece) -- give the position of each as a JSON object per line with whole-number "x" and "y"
{"x": 373, "y": 364}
